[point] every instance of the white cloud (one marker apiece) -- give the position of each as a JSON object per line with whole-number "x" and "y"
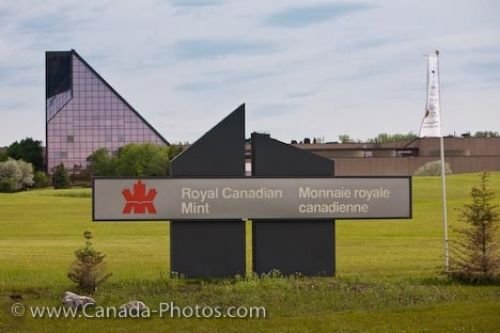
{"x": 359, "y": 73}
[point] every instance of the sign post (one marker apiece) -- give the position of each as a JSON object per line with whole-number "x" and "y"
{"x": 292, "y": 200}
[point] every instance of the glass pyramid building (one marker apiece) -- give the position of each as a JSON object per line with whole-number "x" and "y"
{"x": 84, "y": 113}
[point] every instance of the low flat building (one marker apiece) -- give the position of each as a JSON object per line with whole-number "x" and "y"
{"x": 464, "y": 154}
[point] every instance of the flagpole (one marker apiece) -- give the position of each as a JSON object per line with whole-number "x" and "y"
{"x": 443, "y": 186}
{"x": 431, "y": 127}
{"x": 445, "y": 211}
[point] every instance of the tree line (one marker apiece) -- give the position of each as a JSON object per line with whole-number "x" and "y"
{"x": 381, "y": 138}
{"x": 385, "y": 137}
{"x": 22, "y": 165}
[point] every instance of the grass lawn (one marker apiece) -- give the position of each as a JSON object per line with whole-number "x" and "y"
{"x": 387, "y": 279}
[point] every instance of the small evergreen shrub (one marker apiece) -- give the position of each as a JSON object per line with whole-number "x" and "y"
{"x": 88, "y": 270}
{"x": 60, "y": 178}
{"x": 41, "y": 179}
{"x": 475, "y": 253}
{"x": 433, "y": 169}
{"x": 7, "y": 185}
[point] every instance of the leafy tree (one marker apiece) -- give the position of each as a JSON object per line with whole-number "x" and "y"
{"x": 26, "y": 174}
{"x": 3, "y": 155}
{"x": 41, "y": 179}
{"x": 60, "y": 178}
{"x": 486, "y": 134}
{"x": 142, "y": 160}
{"x": 173, "y": 151}
{"x": 88, "y": 270}
{"x": 10, "y": 176}
{"x": 133, "y": 160}
{"x": 15, "y": 175}
{"x": 100, "y": 163}
{"x": 28, "y": 150}
{"x": 7, "y": 185}
{"x": 384, "y": 137}
{"x": 475, "y": 256}
{"x": 345, "y": 138}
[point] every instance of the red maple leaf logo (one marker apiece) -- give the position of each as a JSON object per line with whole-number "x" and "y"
{"x": 139, "y": 202}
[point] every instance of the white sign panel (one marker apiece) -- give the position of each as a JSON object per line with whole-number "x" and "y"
{"x": 431, "y": 125}
{"x": 259, "y": 198}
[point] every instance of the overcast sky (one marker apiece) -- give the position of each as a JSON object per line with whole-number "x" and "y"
{"x": 303, "y": 68}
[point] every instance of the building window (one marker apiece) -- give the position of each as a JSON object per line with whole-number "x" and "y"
{"x": 61, "y": 154}
{"x": 70, "y": 139}
{"x": 406, "y": 153}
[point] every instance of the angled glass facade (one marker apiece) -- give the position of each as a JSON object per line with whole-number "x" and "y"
{"x": 84, "y": 113}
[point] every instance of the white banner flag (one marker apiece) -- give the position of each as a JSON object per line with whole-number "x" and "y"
{"x": 431, "y": 125}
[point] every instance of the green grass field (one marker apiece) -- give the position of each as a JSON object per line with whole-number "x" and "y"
{"x": 387, "y": 279}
